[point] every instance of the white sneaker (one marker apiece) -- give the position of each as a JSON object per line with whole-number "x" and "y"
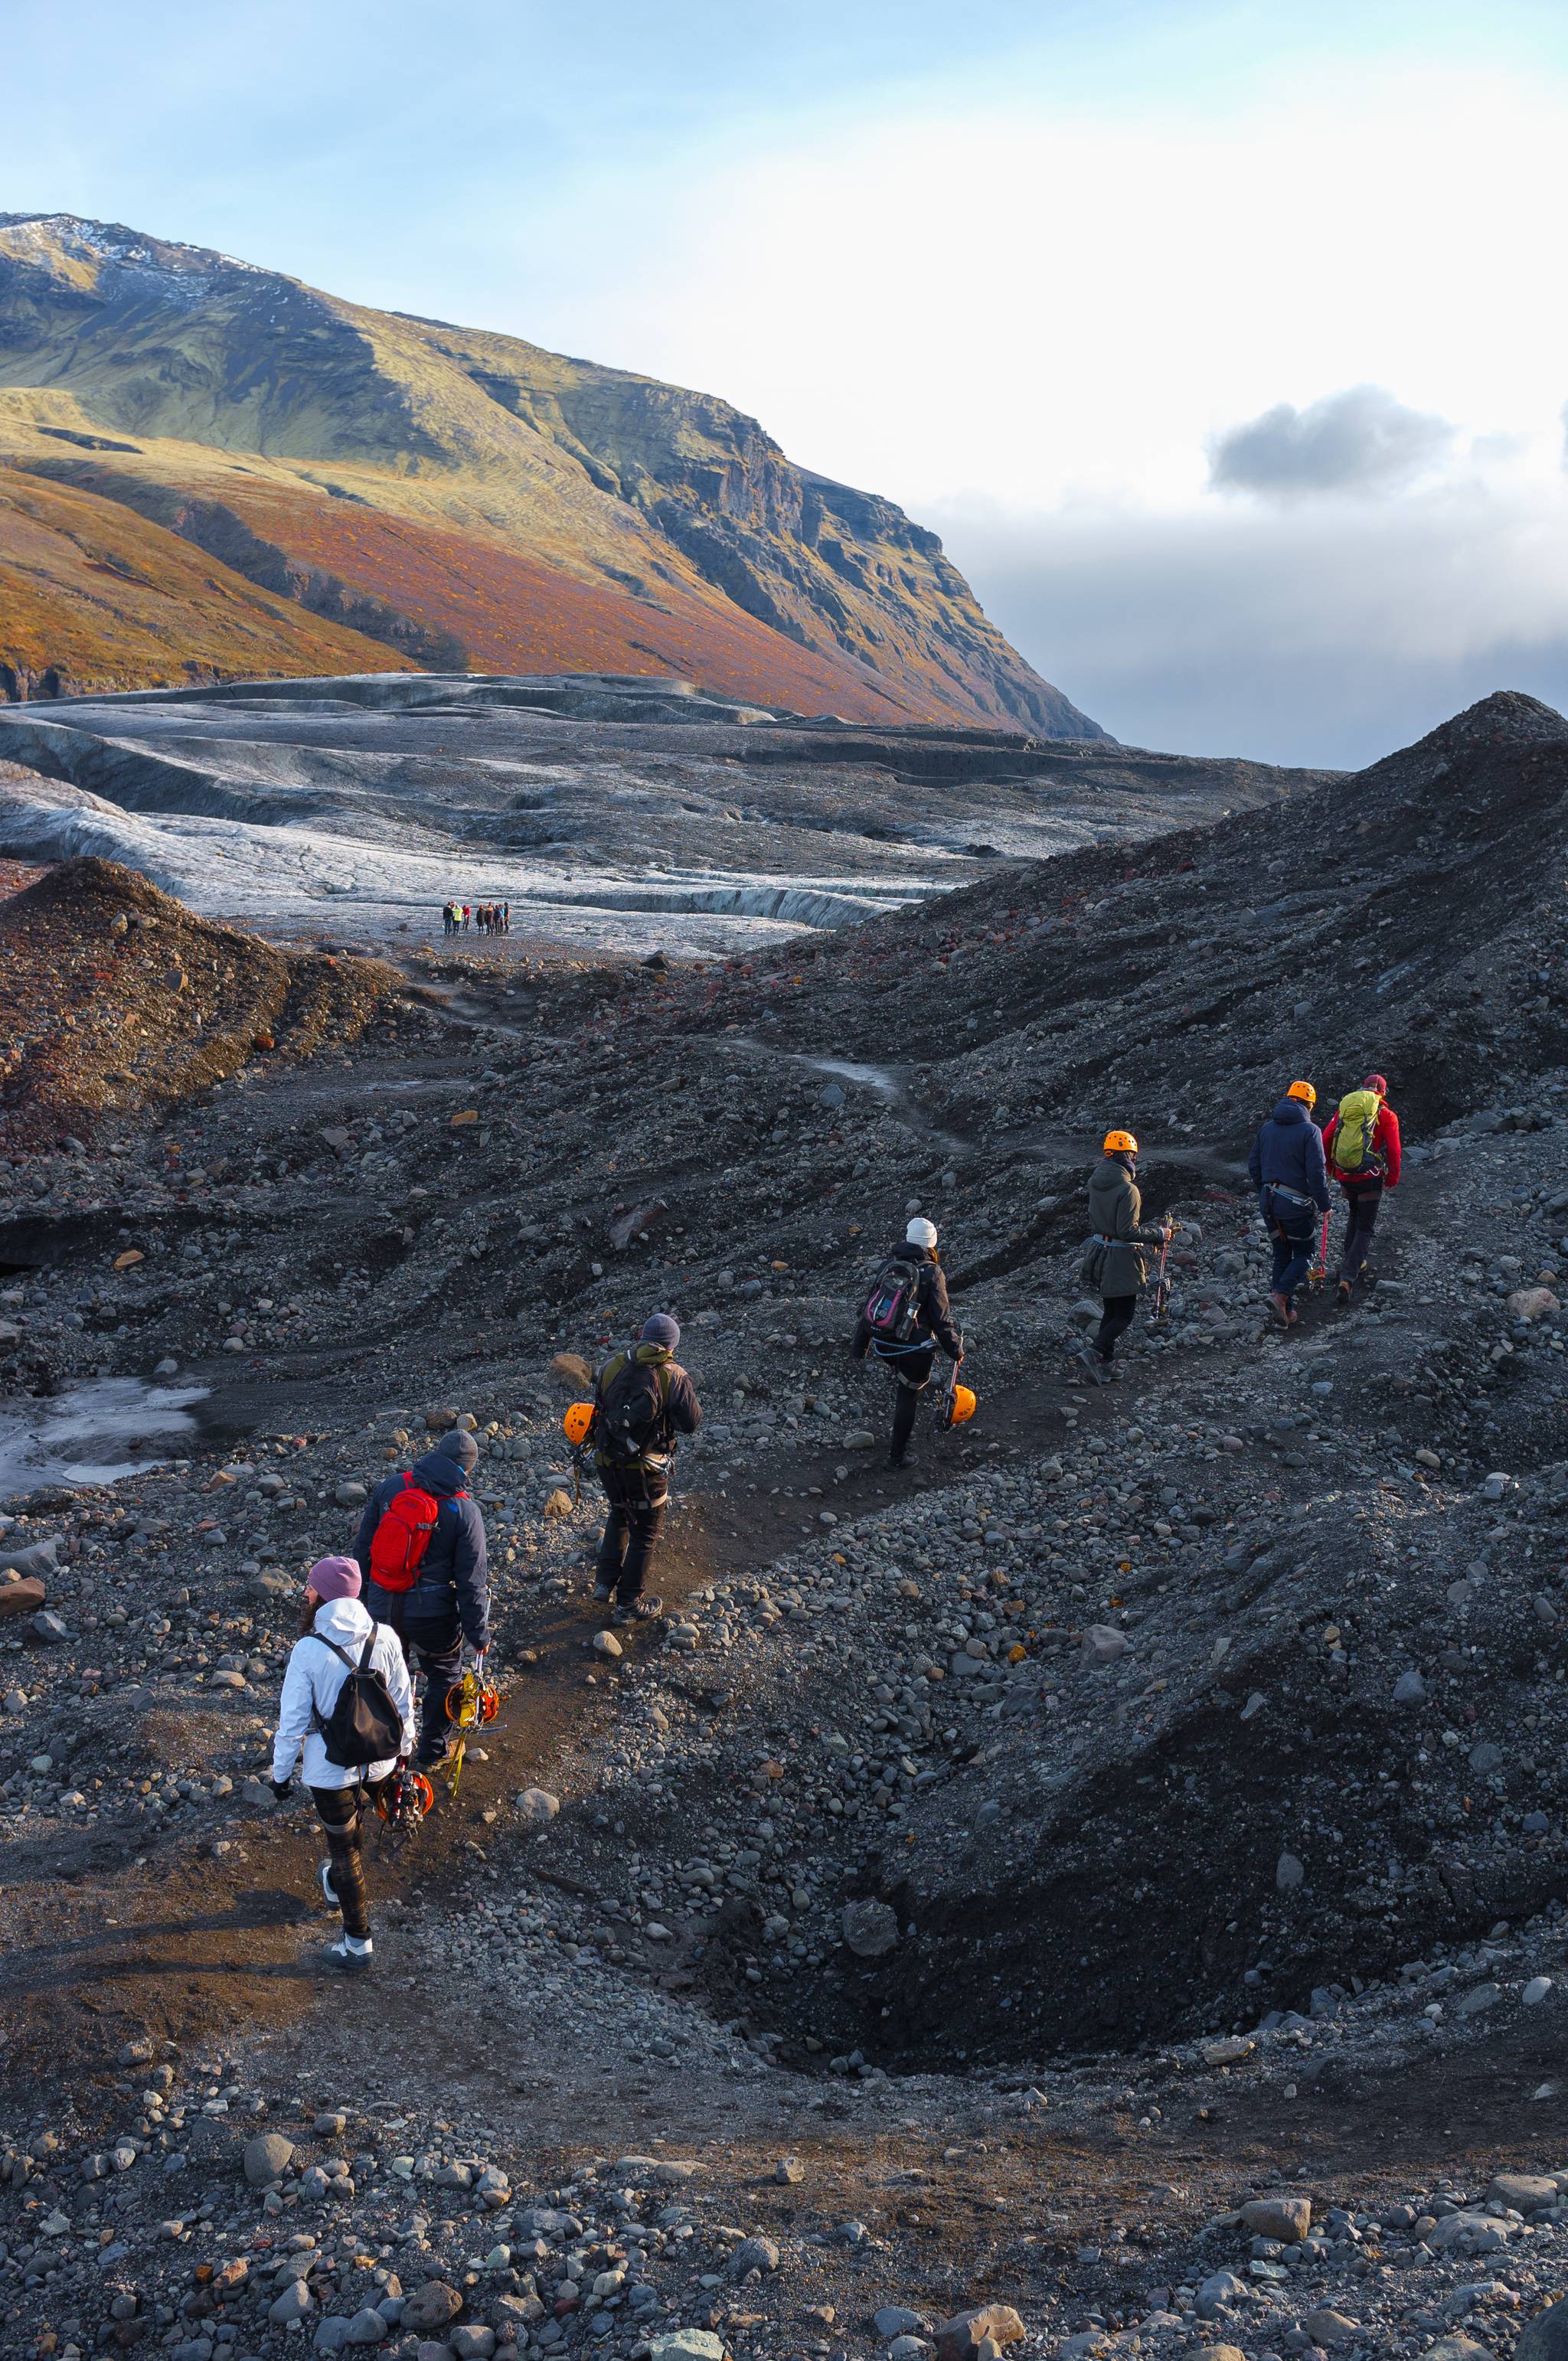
{"x": 351, "y": 1951}
{"x": 328, "y": 1888}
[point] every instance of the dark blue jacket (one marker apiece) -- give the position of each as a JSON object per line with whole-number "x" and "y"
{"x": 454, "y": 1574}
{"x": 1289, "y": 1153}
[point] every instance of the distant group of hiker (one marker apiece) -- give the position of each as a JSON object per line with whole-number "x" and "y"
{"x": 489, "y": 917}
{"x": 413, "y": 1597}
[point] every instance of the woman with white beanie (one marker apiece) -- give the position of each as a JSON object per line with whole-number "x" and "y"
{"x": 904, "y": 1319}
{"x": 339, "y": 1641}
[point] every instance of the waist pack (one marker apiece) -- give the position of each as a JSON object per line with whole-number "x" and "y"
{"x": 1356, "y": 1139}
{"x": 1091, "y": 1270}
{"x": 402, "y": 1536}
{"x": 364, "y": 1725}
{"x": 631, "y": 1426}
{"x": 892, "y": 1310}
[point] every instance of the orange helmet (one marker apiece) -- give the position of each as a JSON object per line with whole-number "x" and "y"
{"x": 961, "y": 1408}
{"x": 1120, "y": 1143}
{"x": 577, "y": 1422}
{"x": 473, "y": 1707}
{"x": 405, "y": 1799}
{"x": 1304, "y": 1092}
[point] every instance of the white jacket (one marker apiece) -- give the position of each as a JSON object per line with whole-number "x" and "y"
{"x": 313, "y": 1681}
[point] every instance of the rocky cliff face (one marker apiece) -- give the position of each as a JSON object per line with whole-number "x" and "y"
{"x": 198, "y": 383}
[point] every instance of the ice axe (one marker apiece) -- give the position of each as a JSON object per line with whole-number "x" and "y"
{"x": 1162, "y": 1288}
{"x": 1321, "y": 1272}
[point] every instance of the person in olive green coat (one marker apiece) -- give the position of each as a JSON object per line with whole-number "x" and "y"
{"x": 1114, "y": 1263}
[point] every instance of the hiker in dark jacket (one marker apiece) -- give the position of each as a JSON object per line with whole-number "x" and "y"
{"x": 634, "y": 1455}
{"x": 1114, "y": 1263}
{"x": 450, "y": 1601}
{"x": 910, "y": 1360}
{"x": 1287, "y": 1169}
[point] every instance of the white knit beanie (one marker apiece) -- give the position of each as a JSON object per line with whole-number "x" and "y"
{"x": 921, "y": 1233}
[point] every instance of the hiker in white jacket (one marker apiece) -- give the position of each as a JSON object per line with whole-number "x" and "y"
{"x": 337, "y": 1629}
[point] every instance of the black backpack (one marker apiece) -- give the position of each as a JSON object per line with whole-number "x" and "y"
{"x": 633, "y": 1411}
{"x": 892, "y": 1310}
{"x": 364, "y": 1725}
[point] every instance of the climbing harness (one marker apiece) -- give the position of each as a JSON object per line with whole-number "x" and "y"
{"x": 472, "y": 1703}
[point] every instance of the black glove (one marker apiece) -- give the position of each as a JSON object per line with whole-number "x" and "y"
{"x": 280, "y": 1788}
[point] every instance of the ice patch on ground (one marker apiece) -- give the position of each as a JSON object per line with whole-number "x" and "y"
{"x": 94, "y": 1434}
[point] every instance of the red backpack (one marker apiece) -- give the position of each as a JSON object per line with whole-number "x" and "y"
{"x": 403, "y": 1535}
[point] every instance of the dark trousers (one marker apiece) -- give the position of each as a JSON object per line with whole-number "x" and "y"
{"x": 630, "y": 1537}
{"x": 1362, "y": 1205}
{"x": 911, "y": 1374}
{"x": 1293, "y": 1230}
{"x": 1114, "y": 1321}
{"x": 340, "y": 1810}
{"x": 432, "y": 1645}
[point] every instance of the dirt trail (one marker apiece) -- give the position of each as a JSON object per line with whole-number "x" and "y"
{"x": 176, "y": 1943}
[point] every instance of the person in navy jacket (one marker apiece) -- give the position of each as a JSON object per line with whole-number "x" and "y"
{"x": 450, "y": 1601}
{"x": 1287, "y": 1169}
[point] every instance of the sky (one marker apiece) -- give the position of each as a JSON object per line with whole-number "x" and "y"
{"x": 1223, "y": 344}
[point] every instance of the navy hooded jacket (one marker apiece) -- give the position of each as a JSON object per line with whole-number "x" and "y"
{"x": 453, "y": 1582}
{"x": 1288, "y": 1154}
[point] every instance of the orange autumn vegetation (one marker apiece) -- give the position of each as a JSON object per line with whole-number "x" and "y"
{"x": 516, "y": 614}
{"x": 94, "y": 596}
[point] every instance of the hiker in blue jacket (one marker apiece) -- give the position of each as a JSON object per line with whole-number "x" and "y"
{"x": 1287, "y": 1169}
{"x": 450, "y": 1598}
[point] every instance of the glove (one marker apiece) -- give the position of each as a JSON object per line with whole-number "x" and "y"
{"x": 282, "y": 1788}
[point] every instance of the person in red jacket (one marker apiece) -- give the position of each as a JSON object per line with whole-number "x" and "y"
{"x": 1362, "y": 1187}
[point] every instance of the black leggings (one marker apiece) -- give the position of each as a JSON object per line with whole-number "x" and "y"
{"x": 1362, "y": 1206}
{"x": 1114, "y": 1319}
{"x": 339, "y": 1810}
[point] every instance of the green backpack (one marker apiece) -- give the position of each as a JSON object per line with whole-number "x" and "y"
{"x": 1355, "y": 1149}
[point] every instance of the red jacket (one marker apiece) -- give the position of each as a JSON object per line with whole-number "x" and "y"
{"x": 1385, "y": 1146}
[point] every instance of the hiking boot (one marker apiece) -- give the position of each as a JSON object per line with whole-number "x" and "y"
{"x": 433, "y": 1760}
{"x": 328, "y": 1888}
{"x": 1342, "y": 1295}
{"x": 910, "y": 1459}
{"x": 638, "y": 1610}
{"x": 352, "y": 1952}
{"x": 1280, "y": 1306}
{"x": 603, "y": 1593}
{"x": 1109, "y": 1375}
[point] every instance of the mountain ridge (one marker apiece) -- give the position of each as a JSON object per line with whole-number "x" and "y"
{"x": 303, "y": 414}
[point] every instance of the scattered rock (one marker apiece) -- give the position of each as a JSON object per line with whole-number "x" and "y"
{"x": 963, "y": 2337}
{"x": 870, "y": 1929}
{"x": 267, "y": 2157}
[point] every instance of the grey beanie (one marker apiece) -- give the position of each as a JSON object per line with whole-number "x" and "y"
{"x": 662, "y": 1328}
{"x": 459, "y": 1446}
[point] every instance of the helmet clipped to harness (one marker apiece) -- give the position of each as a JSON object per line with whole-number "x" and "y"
{"x": 577, "y": 1424}
{"x": 405, "y": 1798}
